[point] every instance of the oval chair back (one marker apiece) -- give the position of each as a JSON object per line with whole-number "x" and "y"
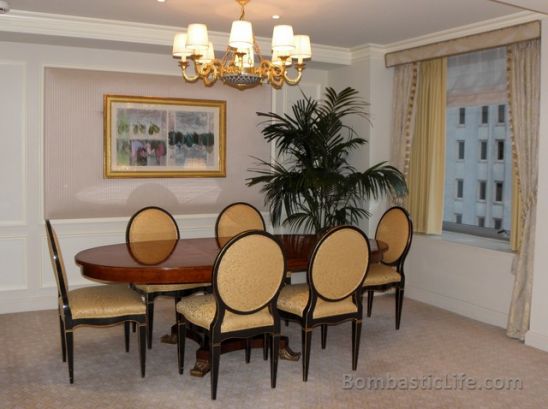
{"x": 339, "y": 263}
{"x": 248, "y": 273}
{"x": 237, "y": 218}
{"x": 150, "y": 224}
{"x": 57, "y": 263}
{"x": 395, "y": 229}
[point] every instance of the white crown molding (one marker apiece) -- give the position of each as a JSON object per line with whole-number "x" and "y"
{"x": 26, "y": 22}
{"x": 367, "y": 51}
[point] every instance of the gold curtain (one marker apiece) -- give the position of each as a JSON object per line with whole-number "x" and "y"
{"x": 427, "y": 164}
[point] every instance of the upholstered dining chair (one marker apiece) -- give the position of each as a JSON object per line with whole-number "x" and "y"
{"x": 237, "y": 218}
{"x": 395, "y": 229}
{"x": 332, "y": 294}
{"x": 97, "y": 306}
{"x": 153, "y": 224}
{"x": 247, "y": 276}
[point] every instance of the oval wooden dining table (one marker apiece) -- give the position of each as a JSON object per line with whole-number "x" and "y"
{"x": 190, "y": 261}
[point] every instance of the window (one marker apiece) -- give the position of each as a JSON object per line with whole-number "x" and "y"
{"x": 458, "y": 218}
{"x": 462, "y": 116}
{"x": 481, "y": 221}
{"x": 497, "y": 223}
{"x": 498, "y": 191}
{"x": 460, "y": 150}
{"x": 482, "y": 190}
{"x": 483, "y": 150}
{"x": 501, "y": 114}
{"x": 500, "y": 150}
{"x": 460, "y": 188}
{"x": 484, "y": 115}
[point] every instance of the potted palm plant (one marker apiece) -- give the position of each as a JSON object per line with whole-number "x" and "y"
{"x": 312, "y": 186}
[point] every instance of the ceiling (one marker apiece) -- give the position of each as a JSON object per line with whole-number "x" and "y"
{"x": 342, "y": 23}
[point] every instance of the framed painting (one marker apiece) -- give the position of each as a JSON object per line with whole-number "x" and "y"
{"x": 148, "y": 137}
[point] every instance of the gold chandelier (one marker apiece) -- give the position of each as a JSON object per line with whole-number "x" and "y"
{"x": 242, "y": 65}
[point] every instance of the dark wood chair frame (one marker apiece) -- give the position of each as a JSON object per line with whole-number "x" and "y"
{"x": 214, "y": 335}
{"x": 399, "y": 264}
{"x": 67, "y": 324}
{"x": 149, "y": 297}
{"x": 308, "y": 322}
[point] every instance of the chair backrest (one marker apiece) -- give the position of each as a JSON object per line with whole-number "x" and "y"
{"x": 57, "y": 263}
{"x": 339, "y": 263}
{"x": 237, "y": 218}
{"x": 150, "y": 224}
{"x": 248, "y": 272}
{"x": 395, "y": 229}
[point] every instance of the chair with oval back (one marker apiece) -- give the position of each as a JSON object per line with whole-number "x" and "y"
{"x": 98, "y": 306}
{"x": 247, "y": 276}
{"x": 237, "y": 218}
{"x": 155, "y": 224}
{"x": 395, "y": 229}
{"x": 332, "y": 294}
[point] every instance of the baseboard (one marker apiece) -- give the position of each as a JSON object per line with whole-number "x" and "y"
{"x": 457, "y": 306}
{"x": 536, "y": 340}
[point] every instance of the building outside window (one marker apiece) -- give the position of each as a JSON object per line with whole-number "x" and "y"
{"x": 499, "y": 188}
{"x": 500, "y": 150}
{"x": 502, "y": 114}
{"x": 481, "y": 221}
{"x": 484, "y": 115}
{"x": 482, "y": 190}
{"x": 458, "y": 218}
{"x": 460, "y": 150}
{"x": 483, "y": 150}
{"x": 462, "y": 116}
{"x": 460, "y": 188}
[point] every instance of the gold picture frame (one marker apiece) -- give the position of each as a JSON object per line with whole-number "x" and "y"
{"x": 148, "y": 137}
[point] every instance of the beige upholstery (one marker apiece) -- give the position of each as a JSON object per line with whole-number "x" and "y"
{"x": 380, "y": 274}
{"x": 250, "y": 272}
{"x": 200, "y": 310}
{"x": 156, "y": 288}
{"x": 238, "y": 218}
{"x": 105, "y": 301}
{"x": 394, "y": 230}
{"x": 152, "y": 252}
{"x": 61, "y": 261}
{"x": 293, "y": 299}
{"x": 152, "y": 224}
{"x": 340, "y": 264}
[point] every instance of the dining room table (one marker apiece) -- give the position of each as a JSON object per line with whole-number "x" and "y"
{"x": 191, "y": 260}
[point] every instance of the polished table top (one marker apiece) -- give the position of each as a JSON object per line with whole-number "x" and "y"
{"x": 185, "y": 260}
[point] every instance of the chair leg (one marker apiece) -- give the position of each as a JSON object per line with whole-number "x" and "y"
{"x": 215, "y": 356}
{"x": 356, "y": 335}
{"x": 370, "y": 295}
{"x": 70, "y": 353}
{"x": 181, "y": 339}
{"x": 274, "y": 353}
{"x": 306, "y": 342}
{"x": 63, "y": 344}
{"x": 150, "y": 318}
{"x": 134, "y": 326}
{"x": 247, "y": 350}
{"x": 126, "y": 334}
{"x": 324, "y": 336}
{"x": 399, "y": 305}
{"x": 142, "y": 347}
{"x": 266, "y": 339}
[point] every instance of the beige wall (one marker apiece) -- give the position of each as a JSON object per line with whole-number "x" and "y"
{"x": 73, "y": 147}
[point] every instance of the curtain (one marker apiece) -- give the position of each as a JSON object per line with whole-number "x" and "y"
{"x": 524, "y": 100}
{"x": 427, "y": 162}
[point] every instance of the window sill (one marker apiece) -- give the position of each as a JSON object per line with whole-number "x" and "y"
{"x": 476, "y": 241}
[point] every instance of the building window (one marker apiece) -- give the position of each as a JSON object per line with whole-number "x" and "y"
{"x": 481, "y": 221}
{"x": 460, "y": 188}
{"x": 460, "y": 150}
{"x": 482, "y": 190}
{"x": 500, "y": 150}
{"x": 498, "y": 191}
{"x": 462, "y": 116}
{"x": 497, "y": 223}
{"x": 458, "y": 218}
{"x": 501, "y": 114}
{"x": 483, "y": 150}
{"x": 484, "y": 115}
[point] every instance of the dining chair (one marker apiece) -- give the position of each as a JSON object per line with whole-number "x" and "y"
{"x": 332, "y": 294}
{"x": 247, "y": 275}
{"x": 97, "y": 306}
{"x": 237, "y": 218}
{"x": 395, "y": 229}
{"x": 154, "y": 224}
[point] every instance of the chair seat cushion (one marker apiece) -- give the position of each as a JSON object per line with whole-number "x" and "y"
{"x": 105, "y": 301}
{"x": 163, "y": 288}
{"x": 381, "y": 274}
{"x": 293, "y": 299}
{"x": 200, "y": 310}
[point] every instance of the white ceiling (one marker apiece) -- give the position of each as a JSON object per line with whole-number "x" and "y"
{"x": 343, "y": 23}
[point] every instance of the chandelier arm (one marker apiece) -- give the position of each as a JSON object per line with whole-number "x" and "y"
{"x": 187, "y": 77}
{"x": 294, "y": 81}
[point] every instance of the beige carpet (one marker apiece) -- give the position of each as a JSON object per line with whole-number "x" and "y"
{"x": 432, "y": 344}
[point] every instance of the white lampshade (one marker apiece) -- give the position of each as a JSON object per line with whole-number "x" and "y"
{"x": 248, "y": 58}
{"x": 277, "y": 61}
{"x": 197, "y": 39}
{"x": 282, "y": 39}
{"x": 302, "y": 47}
{"x": 241, "y": 34}
{"x": 179, "y": 46}
{"x": 208, "y": 56}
